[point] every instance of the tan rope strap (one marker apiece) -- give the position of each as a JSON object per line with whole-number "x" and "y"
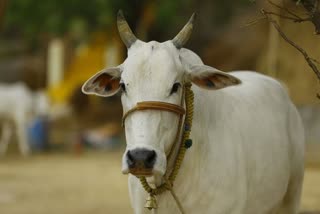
{"x": 175, "y": 197}
{"x": 168, "y": 184}
{"x": 155, "y": 105}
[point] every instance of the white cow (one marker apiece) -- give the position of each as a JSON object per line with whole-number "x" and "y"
{"x": 18, "y": 107}
{"x": 248, "y": 150}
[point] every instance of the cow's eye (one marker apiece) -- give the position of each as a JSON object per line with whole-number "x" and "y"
{"x": 123, "y": 86}
{"x": 175, "y": 88}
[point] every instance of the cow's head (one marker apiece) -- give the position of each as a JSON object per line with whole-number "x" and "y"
{"x": 153, "y": 71}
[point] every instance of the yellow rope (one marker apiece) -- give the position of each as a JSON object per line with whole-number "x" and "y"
{"x": 167, "y": 185}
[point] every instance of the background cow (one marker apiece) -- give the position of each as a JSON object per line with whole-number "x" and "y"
{"x": 18, "y": 107}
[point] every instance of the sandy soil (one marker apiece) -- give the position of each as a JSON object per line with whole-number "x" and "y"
{"x": 90, "y": 183}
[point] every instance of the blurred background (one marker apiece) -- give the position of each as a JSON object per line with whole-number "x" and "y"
{"x": 61, "y": 150}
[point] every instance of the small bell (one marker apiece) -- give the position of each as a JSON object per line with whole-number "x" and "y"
{"x": 151, "y": 202}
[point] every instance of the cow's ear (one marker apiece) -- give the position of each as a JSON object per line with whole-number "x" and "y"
{"x": 210, "y": 78}
{"x": 105, "y": 83}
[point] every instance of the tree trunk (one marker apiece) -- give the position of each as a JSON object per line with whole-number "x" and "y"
{"x": 3, "y": 4}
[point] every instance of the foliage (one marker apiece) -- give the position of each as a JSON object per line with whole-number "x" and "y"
{"x": 32, "y": 17}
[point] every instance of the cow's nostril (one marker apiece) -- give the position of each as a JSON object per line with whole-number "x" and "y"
{"x": 150, "y": 159}
{"x": 130, "y": 159}
{"x": 141, "y": 158}
{"x": 151, "y": 156}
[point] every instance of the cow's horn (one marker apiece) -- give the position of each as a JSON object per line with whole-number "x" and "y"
{"x": 183, "y": 36}
{"x": 125, "y": 32}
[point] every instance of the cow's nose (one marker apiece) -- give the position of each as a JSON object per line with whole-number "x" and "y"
{"x": 141, "y": 158}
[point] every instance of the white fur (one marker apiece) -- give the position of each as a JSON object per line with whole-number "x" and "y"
{"x": 248, "y": 140}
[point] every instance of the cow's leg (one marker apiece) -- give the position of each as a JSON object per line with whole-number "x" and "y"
{"x": 291, "y": 201}
{"x": 5, "y": 137}
{"x": 22, "y": 137}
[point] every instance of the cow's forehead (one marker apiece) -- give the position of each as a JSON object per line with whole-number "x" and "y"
{"x": 152, "y": 61}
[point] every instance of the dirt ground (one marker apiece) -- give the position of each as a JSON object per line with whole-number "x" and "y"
{"x": 82, "y": 184}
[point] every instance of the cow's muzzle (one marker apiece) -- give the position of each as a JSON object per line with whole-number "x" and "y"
{"x": 141, "y": 161}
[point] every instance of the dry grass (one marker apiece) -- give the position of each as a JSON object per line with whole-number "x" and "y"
{"x": 66, "y": 184}
{"x": 90, "y": 183}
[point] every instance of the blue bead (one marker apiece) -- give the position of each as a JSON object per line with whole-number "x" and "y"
{"x": 187, "y": 127}
{"x": 188, "y": 143}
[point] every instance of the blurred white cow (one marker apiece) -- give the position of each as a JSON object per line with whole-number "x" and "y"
{"x": 18, "y": 107}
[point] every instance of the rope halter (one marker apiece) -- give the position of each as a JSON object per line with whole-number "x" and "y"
{"x": 182, "y": 144}
{"x": 154, "y": 105}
